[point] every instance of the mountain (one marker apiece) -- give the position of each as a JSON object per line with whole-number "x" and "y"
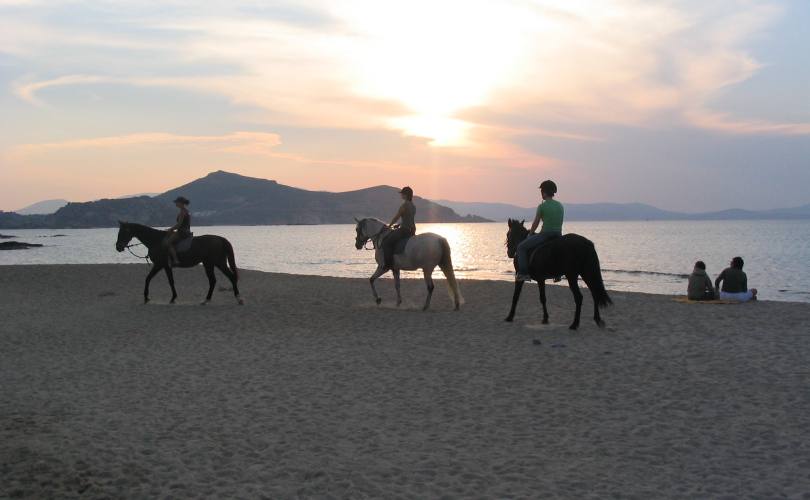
{"x": 223, "y": 198}
{"x": 42, "y": 207}
{"x": 621, "y": 211}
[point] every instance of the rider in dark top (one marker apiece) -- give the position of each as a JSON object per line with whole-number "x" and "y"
{"x": 407, "y": 228}
{"x": 181, "y": 230}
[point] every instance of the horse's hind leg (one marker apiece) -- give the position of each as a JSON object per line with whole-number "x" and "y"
{"x": 170, "y": 276}
{"x": 430, "y": 287}
{"x": 574, "y": 286}
{"x": 232, "y": 277}
{"x": 542, "y": 286}
{"x": 396, "y": 285}
{"x": 515, "y": 298}
{"x": 152, "y": 272}
{"x": 212, "y": 280}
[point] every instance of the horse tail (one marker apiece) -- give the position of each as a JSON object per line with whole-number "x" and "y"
{"x": 446, "y": 265}
{"x": 231, "y": 259}
{"x": 592, "y": 275}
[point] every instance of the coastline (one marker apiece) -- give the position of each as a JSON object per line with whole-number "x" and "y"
{"x": 312, "y": 390}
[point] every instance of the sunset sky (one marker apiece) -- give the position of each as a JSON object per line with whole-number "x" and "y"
{"x": 687, "y": 105}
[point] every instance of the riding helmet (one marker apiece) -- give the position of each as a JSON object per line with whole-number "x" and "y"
{"x": 182, "y": 199}
{"x": 406, "y": 190}
{"x": 548, "y": 186}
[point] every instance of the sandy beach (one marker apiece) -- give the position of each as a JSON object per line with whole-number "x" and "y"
{"x": 312, "y": 391}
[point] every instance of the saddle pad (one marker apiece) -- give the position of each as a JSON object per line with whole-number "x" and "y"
{"x": 184, "y": 245}
{"x": 684, "y": 300}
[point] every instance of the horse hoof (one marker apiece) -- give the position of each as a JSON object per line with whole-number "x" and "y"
{"x": 172, "y": 301}
{"x": 204, "y": 302}
{"x": 457, "y": 308}
{"x": 145, "y": 301}
{"x": 600, "y": 324}
{"x": 378, "y": 301}
{"x": 573, "y": 327}
{"x": 509, "y": 319}
{"x": 545, "y": 321}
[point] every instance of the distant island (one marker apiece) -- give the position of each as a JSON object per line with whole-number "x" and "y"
{"x": 223, "y": 198}
{"x": 621, "y": 212}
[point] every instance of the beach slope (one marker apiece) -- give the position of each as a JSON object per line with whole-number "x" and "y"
{"x": 311, "y": 390}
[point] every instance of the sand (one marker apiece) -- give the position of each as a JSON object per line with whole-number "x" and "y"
{"x": 312, "y": 391}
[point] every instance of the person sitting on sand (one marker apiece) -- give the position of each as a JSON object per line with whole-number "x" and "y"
{"x": 406, "y": 229}
{"x": 551, "y": 212}
{"x": 179, "y": 231}
{"x": 700, "y": 285}
{"x": 735, "y": 283}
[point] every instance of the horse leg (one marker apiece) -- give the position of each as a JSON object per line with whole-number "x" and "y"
{"x": 515, "y": 297}
{"x": 212, "y": 280}
{"x": 152, "y": 272}
{"x": 232, "y": 277}
{"x": 170, "y": 276}
{"x": 396, "y": 285}
{"x": 379, "y": 272}
{"x": 574, "y": 286}
{"x": 541, "y": 284}
{"x": 429, "y": 283}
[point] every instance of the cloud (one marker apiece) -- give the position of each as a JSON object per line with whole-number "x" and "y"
{"x": 252, "y": 143}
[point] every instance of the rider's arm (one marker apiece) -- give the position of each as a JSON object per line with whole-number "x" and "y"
{"x": 398, "y": 215}
{"x": 719, "y": 279}
{"x": 537, "y": 219}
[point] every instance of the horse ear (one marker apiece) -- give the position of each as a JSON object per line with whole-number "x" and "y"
{"x": 523, "y": 222}
{"x": 121, "y": 223}
{"x": 357, "y": 220}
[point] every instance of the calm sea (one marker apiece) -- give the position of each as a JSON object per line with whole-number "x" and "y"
{"x": 653, "y": 257}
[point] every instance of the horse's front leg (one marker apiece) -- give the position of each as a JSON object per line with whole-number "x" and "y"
{"x": 542, "y": 286}
{"x": 379, "y": 272}
{"x": 170, "y": 276}
{"x": 430, "y": 287}
{"x": 152, "y": 272}
{"x": 396, "y": 285}
{"x": 515, "y": 298}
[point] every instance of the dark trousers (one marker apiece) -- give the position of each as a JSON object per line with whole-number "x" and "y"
{"x": 391, "y": 240}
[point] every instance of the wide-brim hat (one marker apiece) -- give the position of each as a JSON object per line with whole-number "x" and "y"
{"x": 182, "y": 199}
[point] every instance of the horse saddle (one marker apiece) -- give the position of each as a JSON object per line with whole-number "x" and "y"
{"x": 184, "y": 245}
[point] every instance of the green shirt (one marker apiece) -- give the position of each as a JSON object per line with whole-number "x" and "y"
{"x": 551, "y": 212}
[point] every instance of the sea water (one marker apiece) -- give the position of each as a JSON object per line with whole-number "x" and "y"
{"x": 641, "y": 256}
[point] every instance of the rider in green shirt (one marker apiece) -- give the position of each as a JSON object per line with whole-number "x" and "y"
{"x": 551, "y": 212}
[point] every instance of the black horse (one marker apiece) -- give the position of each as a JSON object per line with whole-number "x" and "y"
{"x": 570, "y": 256}
{"x": 212, "y": 251}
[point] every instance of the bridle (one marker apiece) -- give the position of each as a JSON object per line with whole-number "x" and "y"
{"x": 373, "y": 239}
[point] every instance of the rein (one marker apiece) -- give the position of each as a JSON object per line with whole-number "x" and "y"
{"x": 373, "y": 240}
{"x": 129, "y": 247}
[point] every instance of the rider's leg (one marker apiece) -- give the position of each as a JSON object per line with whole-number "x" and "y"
{"x": 524, "y": 249}
{"x": 170, "y": 241}
{"x": 389, "y": 243}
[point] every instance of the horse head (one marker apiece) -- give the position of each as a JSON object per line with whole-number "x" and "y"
{"x": 361, "y": 237}
{"x": 515, "y": 235}
{"x": 124, "y": 236}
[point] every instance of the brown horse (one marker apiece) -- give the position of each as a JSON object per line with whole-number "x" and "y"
{"x": 211, "y": 251}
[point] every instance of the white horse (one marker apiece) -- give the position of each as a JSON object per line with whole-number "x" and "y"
{"x": 424, "y": 251}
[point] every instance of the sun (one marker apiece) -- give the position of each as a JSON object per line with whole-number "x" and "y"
{"x": 435, "y": 58}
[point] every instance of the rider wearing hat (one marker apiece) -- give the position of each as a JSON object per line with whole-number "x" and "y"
{"x": 181, "y": 230}
{"x": 550, "y": 211}
{"x": 407, "y": 226}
